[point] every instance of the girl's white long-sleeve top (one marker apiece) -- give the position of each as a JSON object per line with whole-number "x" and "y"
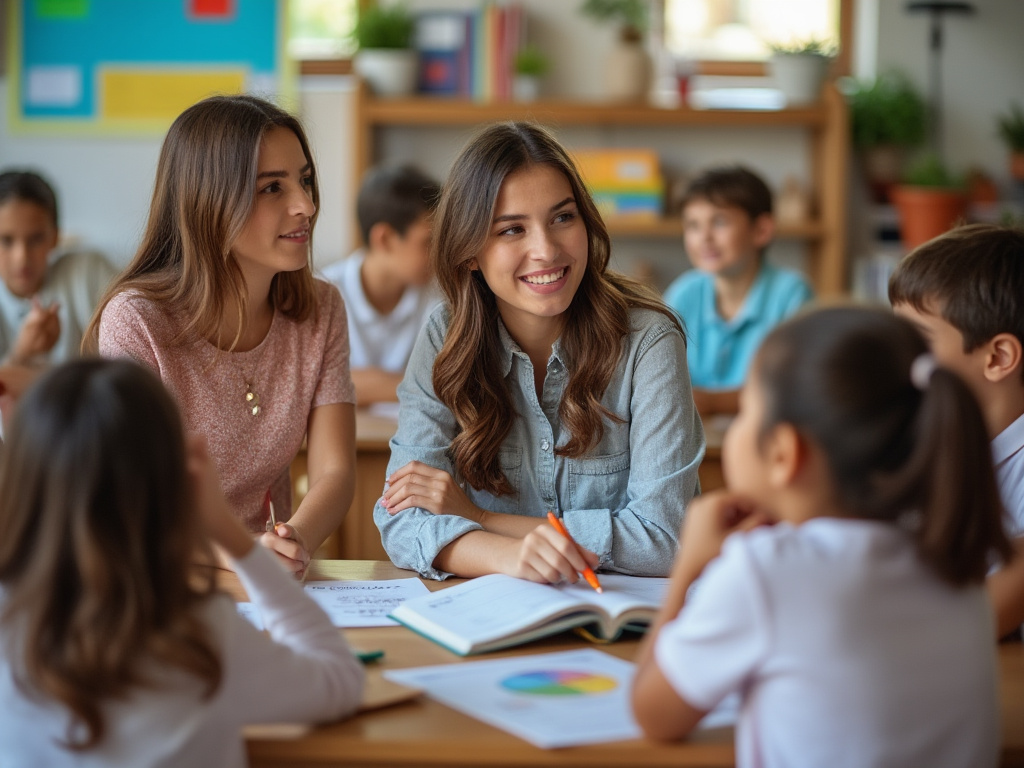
{"x": 302, "y": 671}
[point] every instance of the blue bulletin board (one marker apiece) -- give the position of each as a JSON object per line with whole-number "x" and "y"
{"x": 131, "y": 66}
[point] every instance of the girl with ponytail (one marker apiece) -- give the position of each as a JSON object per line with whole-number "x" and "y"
{"x": 842, "y": 573}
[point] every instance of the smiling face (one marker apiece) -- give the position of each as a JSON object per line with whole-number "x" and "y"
{"x": 27, "y": 235}
{"x": 536, "y": 251}
{"x": 276, "y": 236}
{"x": 722, "y": 239}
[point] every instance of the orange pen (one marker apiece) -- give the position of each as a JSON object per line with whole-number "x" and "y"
{"x": 588, "y": 572}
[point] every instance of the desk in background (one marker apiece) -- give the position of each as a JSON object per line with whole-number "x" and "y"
{"x": 426, "y": 734}
{"x": 358, "y": 537}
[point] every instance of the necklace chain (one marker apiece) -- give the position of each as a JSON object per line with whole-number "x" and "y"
{"x": 252, "y": 398}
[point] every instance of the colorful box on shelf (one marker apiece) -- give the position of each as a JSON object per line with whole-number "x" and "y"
{"x": 619, "y": 169}
{"x": 632, "y": 205}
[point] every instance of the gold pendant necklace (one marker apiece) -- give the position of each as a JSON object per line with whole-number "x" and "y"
{"x": 252, "y": 400}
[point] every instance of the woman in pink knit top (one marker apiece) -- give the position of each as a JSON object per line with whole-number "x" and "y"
{"x": 221, "y": 302}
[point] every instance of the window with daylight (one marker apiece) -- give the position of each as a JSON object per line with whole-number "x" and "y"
{"x": 320, "y": 29}
{"x": 741, "y": 30}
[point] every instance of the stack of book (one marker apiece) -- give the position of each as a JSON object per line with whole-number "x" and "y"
{"x": 469, "y": 53}
{"x": 625, "y": 183}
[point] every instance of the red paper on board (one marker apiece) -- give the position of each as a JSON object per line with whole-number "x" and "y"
{"x": 211, "y": 8}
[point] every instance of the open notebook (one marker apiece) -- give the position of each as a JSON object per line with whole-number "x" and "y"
{"x": 498, "y": 611}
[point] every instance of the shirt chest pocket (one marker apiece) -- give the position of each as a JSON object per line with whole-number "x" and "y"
{"x": 599, "y": 482}
{"x": 511, "y": 462}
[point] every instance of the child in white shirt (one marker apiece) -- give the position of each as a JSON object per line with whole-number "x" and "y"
{"x": 841, "y": 575}
{"x": 115, "y": 647}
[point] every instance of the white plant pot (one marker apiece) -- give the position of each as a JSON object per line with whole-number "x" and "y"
{"x": 525, "y": 88}
{"x": 388, "y": 72}
{"x": 799, "y": 76}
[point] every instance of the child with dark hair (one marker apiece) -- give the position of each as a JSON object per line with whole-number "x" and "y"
{"x": 387, "y": 283}
{"x": 115, "y": 647}
{"x": 731, "y": 298}
{"x": 841, "y": 574}
{"x": 965, "y": 292}
{"x": 47, "y": 294}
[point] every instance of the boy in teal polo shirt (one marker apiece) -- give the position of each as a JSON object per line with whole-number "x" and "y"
{"x": 731, "y": 299}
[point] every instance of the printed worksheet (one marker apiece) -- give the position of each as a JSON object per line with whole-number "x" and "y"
{"x": 550, "y": 700}
{"x": 363, "y": 603}
{"x": 353, "y": 603}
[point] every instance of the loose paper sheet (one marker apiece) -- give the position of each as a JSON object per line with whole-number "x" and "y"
{"x": 354, "y": 603}
{"x": 551, "y": 700}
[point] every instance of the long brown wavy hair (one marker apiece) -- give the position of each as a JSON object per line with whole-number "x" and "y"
{"x": 99, "y": 533}
{"x": 467, "y": 373}
{"x": 204, "y": 193}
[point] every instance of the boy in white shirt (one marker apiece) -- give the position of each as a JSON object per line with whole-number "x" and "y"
{"x": 47, "y": 296}
{"x": 387, "y": 284}
{"x": 964, "y": 292}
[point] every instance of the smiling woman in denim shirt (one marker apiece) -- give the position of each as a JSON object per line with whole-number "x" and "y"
{"x": 544, "y": 382}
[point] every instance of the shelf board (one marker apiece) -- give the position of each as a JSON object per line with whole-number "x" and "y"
{"x": 673, "y": 227}
{"x": 425, "y": 110}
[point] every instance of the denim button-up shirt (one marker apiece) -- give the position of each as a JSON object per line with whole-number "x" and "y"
{"x": 623, "y": 500}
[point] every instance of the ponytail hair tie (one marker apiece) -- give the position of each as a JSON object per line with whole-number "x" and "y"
{"x": 921, "y": 370}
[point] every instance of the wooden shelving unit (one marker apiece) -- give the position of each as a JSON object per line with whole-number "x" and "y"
{"x": 825, "y": 124}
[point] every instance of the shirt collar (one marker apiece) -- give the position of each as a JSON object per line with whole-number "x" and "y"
{"x": 1008, "y": 442}
{"x": 510, "y": 348}
{"x": 754, "y": 304}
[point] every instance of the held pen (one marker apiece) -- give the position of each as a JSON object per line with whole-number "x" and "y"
{"x": 588, "y": 572}
{"x": 272, "y": 521}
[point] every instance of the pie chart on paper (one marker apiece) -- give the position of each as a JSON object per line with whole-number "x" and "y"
{"x": 559, "y": 683}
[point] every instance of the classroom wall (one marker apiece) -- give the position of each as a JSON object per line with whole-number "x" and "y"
{"x": 105, "y": 183}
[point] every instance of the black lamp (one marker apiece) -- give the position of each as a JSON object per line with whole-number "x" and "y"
{"x": 937, "y": 10}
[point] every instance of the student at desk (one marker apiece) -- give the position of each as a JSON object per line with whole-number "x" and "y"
{"x": 841, "y": 590}
{"x": 220, "y": 300}
{"x": 545, "y": 382}
{"x": 114, "y": 649}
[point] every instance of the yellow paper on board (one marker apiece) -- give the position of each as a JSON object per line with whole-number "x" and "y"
{"x": 134, "y": 94}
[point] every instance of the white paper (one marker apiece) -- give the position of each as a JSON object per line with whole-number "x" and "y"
{"x": 587, "y": 702}
{"x": 54, "y": 86}
{"x": 364, "y": 603}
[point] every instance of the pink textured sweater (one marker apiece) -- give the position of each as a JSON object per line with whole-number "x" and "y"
{"x": 296, "y": 368}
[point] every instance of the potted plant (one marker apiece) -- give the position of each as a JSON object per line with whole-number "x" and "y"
{"x": 887, "y": 117}
{"x": 930, "y": 201}
{"x": 530, "y": 64}
{"x": 1011, "y": 129}
{"x": 799, "y": 69}
{"x": 385, "y": 58}
{"x": 628, "y": 67}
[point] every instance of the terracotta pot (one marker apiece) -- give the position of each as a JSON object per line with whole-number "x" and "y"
{"x": 926, "y": 212}
{"x": 1017, "y": 165}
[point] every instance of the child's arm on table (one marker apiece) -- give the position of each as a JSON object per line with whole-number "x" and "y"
{"x": 304, "y": 670}
{"x": 1006, "y": 591}
{"x": 375, "y": 385}
{"x": 660, "y": 711}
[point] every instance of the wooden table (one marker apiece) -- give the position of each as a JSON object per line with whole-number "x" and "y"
{"x": 358, "y": 537}
{"x": 425, "y": 733}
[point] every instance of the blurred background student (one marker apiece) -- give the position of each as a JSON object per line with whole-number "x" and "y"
{"x": 732, "y": 297}
{"x": 387, "y": 284}
{"x": 47, "y": 293}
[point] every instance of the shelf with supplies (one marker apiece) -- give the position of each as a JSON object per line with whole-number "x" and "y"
{"x": 824, "y": 127}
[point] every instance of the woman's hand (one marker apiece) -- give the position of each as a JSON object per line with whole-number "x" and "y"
{"x": 287, "y": 543}
{"x": 215, "y": 516}
{"x": 419, "y": 485}
{"x": 544, "y": 555}
{"x": 709, "y": 520}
